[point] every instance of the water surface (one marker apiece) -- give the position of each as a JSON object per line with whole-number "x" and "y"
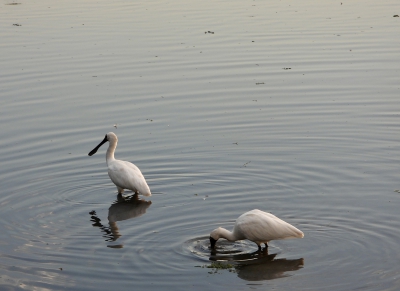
{"x": 290, "y": 107}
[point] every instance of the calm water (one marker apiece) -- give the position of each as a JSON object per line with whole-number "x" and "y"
{"x": 288, "y": 106}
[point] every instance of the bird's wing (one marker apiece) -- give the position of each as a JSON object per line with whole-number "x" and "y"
{"x": 137, "y": 179}
{"x": 118, "y": 173}
{"x": 261, "y": 226}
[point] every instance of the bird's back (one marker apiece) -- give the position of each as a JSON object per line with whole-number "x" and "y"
{"x": 260, "y": 226}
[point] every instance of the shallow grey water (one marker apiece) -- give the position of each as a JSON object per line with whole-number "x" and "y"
{"x": 288, "y": 107}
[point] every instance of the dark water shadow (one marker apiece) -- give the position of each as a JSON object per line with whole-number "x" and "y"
{"x": 259, "y": 265}
{"x": 125, "y": 207}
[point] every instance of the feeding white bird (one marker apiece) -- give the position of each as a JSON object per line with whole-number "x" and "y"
{"x": 124, "y": 175}
{"x": 257, "y": 226}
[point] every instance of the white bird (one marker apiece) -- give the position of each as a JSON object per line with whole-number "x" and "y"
{"x": 257, "y": 226}
{"x": 124, "y": 175}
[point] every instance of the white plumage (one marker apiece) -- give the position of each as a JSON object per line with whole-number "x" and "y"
{"x": 259, "y": 227}
{"x": 124, "y": 175}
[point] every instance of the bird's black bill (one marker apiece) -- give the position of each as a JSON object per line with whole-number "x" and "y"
{"x": 212, "y": 241}
{"x": 93, "y": 151}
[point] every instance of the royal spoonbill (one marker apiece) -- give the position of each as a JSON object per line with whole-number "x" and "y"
{"x": 124, "y": 175}
{"x": 257, "y": 226}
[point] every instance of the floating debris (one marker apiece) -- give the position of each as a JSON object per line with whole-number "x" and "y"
{"x": 17, "y": 24}
{"x": 396, "y": 15}
{"x": 220, "y": 265}
{"x": 245, "y": 164}
{"x": 262, "y": 83}
{"x": 14, "y": 3}
{"x": 287, "y": 68}
{"x": 116, "y": 246}
{"x": 216, "y": 266}
{"x": 211, "y": 32}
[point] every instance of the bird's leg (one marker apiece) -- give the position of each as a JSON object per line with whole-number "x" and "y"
{"x": 259, "y": 248}
{"x": 120, "y": 190}
{"x": 266, "y": 245}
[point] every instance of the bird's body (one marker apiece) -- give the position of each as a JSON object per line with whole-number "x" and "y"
{"x": 124, "y": 175}
{"x": 259, "y": 227}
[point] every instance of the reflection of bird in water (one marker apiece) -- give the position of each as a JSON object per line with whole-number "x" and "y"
{"x": 268, "y": 270}
{"x": 257, "y": 226}
{"x": 127, "y": 207}
{"x": 122, "y": 209}
{"x": 124, "y": 175}
{"x": 259, "y": 266}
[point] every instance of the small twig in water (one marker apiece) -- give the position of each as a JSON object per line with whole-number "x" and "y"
{"x": 245, "y": 164}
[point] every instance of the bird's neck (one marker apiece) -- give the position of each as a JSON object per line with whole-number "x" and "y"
{"x": 110, "y": 152}
{"x": 226, "y": 234}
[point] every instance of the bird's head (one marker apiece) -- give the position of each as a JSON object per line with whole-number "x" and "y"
{"x": 214, "y": 236}
{"x": 110, "y": 137}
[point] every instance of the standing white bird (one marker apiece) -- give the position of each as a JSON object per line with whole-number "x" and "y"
{"x": 257, "y": 226}
{"x": 124, "y": 175}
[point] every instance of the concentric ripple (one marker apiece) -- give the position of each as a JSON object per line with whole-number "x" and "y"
{"x": 249, "y": 265}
